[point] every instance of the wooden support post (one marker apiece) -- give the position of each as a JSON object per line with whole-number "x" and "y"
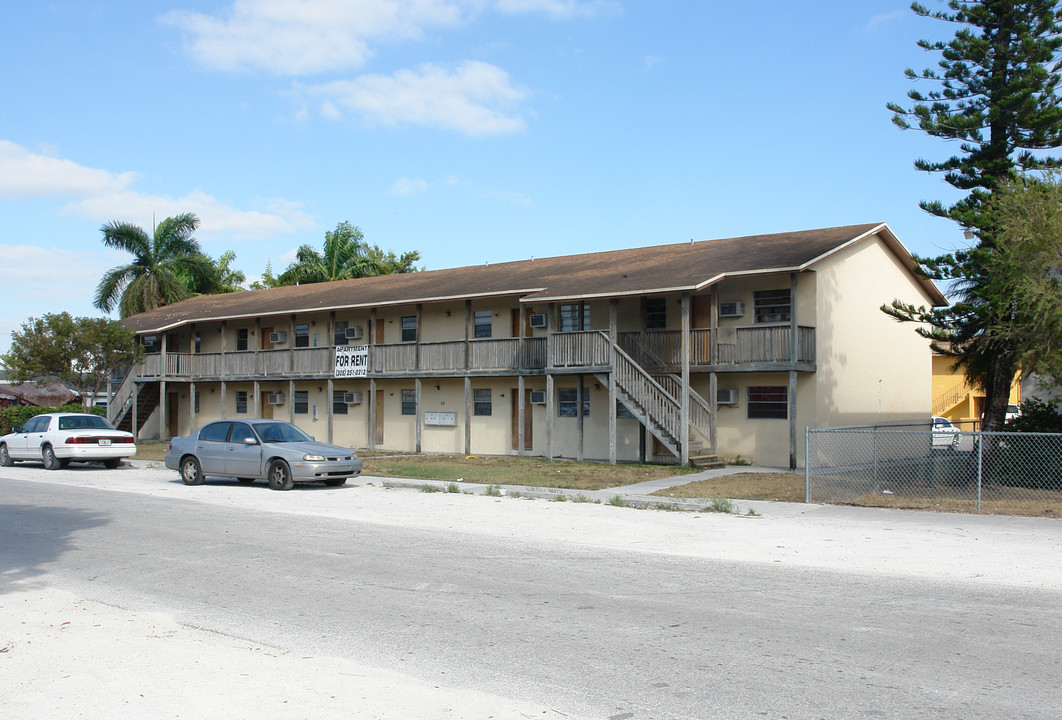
{"x": 468, "y": 415}
{"x": 549, "y": 417}
{"x": 713, "y": 377}
{"x": 330, "y": 403}
{"x": 579, "y": 395}
{"x": 684, "y": 401}
{"x": 416, "y": 393}
{"x": 612, "y": 390}
{"x": 291, "y": 400}
{"x": 163, "y": 372}
{"x": 372, "y": 400}
{"x": 520, "y": 410}
{"x": 794, "y": 344}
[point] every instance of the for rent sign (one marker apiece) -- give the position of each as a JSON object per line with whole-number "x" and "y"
{"x": 352, "y": 361}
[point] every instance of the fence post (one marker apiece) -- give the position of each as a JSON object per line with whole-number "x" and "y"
{"x": 877, "y": 485}
{"x": 980, "y": 455}
{"x": 807, "y": 464}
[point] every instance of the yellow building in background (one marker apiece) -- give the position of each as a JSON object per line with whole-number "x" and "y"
{"x": 958, "y": 401}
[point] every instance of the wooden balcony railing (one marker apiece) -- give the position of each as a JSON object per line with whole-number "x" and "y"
{"x": 587, "y": 349}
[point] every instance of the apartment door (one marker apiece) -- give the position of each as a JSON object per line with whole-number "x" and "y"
{"x": 172, "y": 414}
{"x": 380, "y": 331}
{"x": 528, "y": 413}
{"x": 701, "y": 317}
{"x": 266, "y": 344}
{"x": 267, "y": 409}
{"x": 379, "y": 416}
{"x": 515, "y": 324}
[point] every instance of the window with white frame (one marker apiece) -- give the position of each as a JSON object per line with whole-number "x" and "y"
{"x": 241, "y": 402}
{"x": 772, "y": 306}
{"x": 573, "y": 317}
{"x": 339, "y": 407}
{"x": 241, "y": 338}
{"x": 568, "y": 402}
{"x": 481, "y": 324}
{"x": 409, "y": 328}
{"x": 481, "y": 402}
{"x": 409, "y": 402}
{"x": 768, "y": 402}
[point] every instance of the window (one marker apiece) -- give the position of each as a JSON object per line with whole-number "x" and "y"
{"x": 622, "y": 411}
{"x": 151, "y": 344}
{"x": 302, "y": 402}
{"x": 198, "y": 342}
{"x": 339, "y": 333}
{"x": 241, "y": 338}
{"x": 215, "y": 432}
{"x": 768, "y": 402}
{"x": 241, "y": 402}
{"x": 338, "y": 406}
{"x": 569, "y": 401}
{"x": 772, "y": 306}
{"x": 241, "y": 433}
{"x": 302, "y": 335}
{"x": 409, "y": 402}
{"x": 656, "y": 313}
{"x": 574, "y": 316}
{"x": 481, "y": 402}
{"x": 409, "y": 328}
{"x": 197, "y": 401}
{"x": 481, "y": 324}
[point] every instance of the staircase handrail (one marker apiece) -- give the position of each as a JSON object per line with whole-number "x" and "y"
{"x": 649, "y": 394}
{"x": 122, "y": 399}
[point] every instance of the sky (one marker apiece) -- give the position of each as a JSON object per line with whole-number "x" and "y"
{"x": 472, "y": 131}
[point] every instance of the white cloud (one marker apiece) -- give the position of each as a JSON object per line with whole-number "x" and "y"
{"x": 302, "y": 38}
{"x": 101, "y": 195}
{"x": 476, "y": 98}
{"x": 27, "y": 174}
{"x": 408, "y": 187}
{"x": 315, "y": 36}
{"x": 885, "y": 18}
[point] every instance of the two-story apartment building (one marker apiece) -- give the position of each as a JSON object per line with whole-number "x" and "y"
{"x": 662, "y": 353}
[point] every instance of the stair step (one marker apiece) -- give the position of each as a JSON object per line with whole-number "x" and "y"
{"x": 706, "y": 462}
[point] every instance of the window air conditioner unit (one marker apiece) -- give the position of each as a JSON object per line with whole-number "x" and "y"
{"x": 352, "y": 398}
{"x": 278, "y": 337}
{"x": 354, "y": 333}
{"x": 731, "y": 309}
{"x": 538, "y": 397}
{"x": 538, "y": 320}
{"x": 726, "y": 396}
{"x": 275, "y": 398}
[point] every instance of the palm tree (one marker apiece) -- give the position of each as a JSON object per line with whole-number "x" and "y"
{"x": 154, "y": 277}
{"x": 346, "y": 255}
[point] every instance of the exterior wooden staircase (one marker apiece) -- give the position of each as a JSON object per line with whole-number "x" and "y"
{"x": 120, "y": 410}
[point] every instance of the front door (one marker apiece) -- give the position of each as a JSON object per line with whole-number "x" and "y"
{"x": 528, "y": 412}
{"x": 514, "y": 324}
{"x": 266, "y": 344}
{"x": 173, "y": 414}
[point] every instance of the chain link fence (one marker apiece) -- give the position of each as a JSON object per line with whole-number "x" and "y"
{"x": 933, "y": 468}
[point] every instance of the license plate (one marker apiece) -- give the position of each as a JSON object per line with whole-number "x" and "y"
{"x": 105, "y": 441}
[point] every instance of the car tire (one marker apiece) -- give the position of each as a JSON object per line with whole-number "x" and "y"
{"x": 5, "y": 457}
{"x": 112, "y": 463}
{"x": 51, "y": 462}
{"x": 279, "y": 475}
{"x": 191, "y": 471}
{"x": 335, "y": 482}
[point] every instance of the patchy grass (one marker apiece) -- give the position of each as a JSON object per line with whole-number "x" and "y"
{"x": 527, "y": 472}
{"x": 786, "y": 487}
{"x": 152, "y": 451}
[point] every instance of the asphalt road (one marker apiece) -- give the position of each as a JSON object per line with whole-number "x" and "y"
{"x": 600, "y": 632}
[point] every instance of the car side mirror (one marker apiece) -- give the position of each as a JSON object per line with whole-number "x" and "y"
{"x": 16, "y": 430}
{"x": 250, "y": 441}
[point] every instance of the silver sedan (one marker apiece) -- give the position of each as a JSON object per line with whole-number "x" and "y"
{"x": 249, "y": 450}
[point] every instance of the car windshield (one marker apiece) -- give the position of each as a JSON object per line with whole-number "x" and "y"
{"x": 281, "y": 433}
{"x": 84, "y": 422}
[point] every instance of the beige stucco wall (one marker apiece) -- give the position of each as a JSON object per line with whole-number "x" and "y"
{"x": 870, "y": 367}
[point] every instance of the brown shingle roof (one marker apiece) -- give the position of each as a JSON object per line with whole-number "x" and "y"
{"x": 663, "y": 268}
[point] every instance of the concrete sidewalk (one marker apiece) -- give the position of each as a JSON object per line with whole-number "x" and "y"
{"x": 636, "y": 495}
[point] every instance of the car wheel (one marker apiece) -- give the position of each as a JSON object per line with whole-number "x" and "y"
{"x": 279, "y": 475}
{"x": 51, "y": 462}
{"x": 112, "y": 463}
{"x": 5, "y": 457}
{"x": 335, "y": 482}
{"x": 191, "y": 471}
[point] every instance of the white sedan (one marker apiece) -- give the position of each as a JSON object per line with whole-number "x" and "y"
{"x": 58, "y": 438}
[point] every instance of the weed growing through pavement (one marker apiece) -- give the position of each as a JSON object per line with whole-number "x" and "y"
{"x": 428, "y": 488}
{"x": 751, "y": 512}
{"x": 668, "y": 507}
{"x": 617, "y": 501}
{"x": 559, "y": 497}
{"x": 582, "y": 498}
{"x": 452, "y": 488}
{"x": 721, "y": 505}
{"x": 493, "y": 490}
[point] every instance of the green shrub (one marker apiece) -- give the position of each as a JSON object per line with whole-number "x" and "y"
{"x": 14, "y": 416}
{"x": 1036, "y": 416}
